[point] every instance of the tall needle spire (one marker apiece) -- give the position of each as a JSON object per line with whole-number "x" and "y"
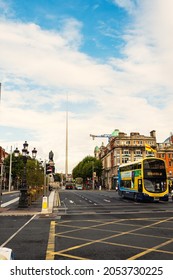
{"x": 66, "y": 162}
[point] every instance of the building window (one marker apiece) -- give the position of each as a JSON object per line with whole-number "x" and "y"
{"x": 126, "y": 152}
{"x": 125, "y": 159}
{"x": 138, "y": 152}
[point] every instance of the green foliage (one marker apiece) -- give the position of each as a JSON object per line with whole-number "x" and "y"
{"x": 34, "y": 171}
{"x": 86, "y": 167}
{"x": 57, "y": 177}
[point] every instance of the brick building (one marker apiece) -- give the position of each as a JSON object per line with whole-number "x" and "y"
{"x": 165, "y": 151}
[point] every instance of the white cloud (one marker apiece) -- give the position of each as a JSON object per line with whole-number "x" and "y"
{"x": 71, "y": 32}
{"x": 129, "y": 5}
{"x": 127, "y": 93}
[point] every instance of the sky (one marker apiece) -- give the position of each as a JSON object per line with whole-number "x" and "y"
{"x": 109, "y": 63}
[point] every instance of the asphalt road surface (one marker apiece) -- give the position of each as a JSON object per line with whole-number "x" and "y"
{"x": 92, "y": 225}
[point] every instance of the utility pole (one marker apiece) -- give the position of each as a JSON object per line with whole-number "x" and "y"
{"x": 9, "y": 184}
{"x": 93, "y": 174}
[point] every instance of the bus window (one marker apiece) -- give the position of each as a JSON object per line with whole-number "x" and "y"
{"x": 155, "y": 186}
{"x": 125, "y": 183}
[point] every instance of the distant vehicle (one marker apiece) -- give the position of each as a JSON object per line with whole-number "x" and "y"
{"x": 6, "y": 253}
{"x": 79, "y": 183}
{"x": 69, "y": 186}
{"x": 145, "y": 179}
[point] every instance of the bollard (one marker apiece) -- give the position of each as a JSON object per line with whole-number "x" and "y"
{"x": 44, "y": 204}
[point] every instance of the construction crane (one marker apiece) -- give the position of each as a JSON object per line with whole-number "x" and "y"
{"x": 102, "y": 135}
{"x": 113, "y": 134}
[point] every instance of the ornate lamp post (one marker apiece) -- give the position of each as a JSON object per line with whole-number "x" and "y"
{"x": 23, "y": 200}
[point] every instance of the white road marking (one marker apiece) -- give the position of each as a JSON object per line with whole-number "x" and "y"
{"x": 106, "y": 200}
{"x": 9, "y": 202}
{"x": 11, "y": 237}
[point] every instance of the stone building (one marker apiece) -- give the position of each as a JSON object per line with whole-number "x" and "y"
{"x": 121, "y": 149}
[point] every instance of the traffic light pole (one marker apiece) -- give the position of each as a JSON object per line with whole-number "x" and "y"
{"x": 44, "y": 177}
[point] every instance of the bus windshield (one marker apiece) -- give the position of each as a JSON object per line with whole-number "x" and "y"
{"x": 154, "y": 175}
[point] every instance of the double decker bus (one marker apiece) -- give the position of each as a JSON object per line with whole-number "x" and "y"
{"x": 79, "y": 183}
{"x": 145, "y": 179}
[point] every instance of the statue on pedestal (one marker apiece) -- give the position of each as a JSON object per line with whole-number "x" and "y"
{"x": 51, "y": 156}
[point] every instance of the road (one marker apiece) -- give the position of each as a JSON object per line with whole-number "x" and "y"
{"x": 9, "y": 198}
{"x": 92, "y": 225}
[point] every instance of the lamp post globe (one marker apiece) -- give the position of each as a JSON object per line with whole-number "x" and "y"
{"x": 34, "y": 153}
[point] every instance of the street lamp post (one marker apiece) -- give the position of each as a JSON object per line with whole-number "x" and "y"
{"x": 93, "y": 175}
{"x": 23, "y": 200}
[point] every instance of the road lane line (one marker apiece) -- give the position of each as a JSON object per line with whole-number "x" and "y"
{"x": 9, "y": 202}
{"x": 106, "y": 200}
{"x": 9, "y": 239}
{"x": 72, "y": 257}
{"x": 51, "y": 242}
{"x": 115, "y": 235}
{"x": 155, "y": 247}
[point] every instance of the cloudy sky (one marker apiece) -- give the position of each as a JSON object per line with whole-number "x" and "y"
{"x": 112, "y": 59}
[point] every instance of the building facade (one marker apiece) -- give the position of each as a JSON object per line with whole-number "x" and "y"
{"x": 165, "y": 151}
{"x": 3, "y": 155}
{"x": 120, "y": 149}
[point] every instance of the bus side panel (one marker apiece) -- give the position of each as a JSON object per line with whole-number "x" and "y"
{"x": 135, "y": 189}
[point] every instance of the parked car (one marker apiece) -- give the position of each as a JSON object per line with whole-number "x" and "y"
{"x": 69, "y": 186}
{"x": 6, "y": 253}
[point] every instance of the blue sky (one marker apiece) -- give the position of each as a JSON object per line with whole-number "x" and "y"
{"x": 112, "y": 58}
{"x": 102, "y": 22}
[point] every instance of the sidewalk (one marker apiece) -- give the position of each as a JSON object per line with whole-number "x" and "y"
{"x": 34, "y": 208}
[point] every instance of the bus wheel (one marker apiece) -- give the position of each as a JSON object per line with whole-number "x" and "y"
{"x": 135, "y": 197}
{"x": 123, "y": 196}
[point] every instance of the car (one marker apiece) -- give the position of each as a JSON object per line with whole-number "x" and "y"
{"x": 6, "y": 253}
{"x": 69, "y": 186}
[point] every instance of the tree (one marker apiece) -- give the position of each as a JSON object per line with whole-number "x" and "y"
{"x": 57, "y": 177}
{"x": 34, "y": 171}
{"x": 86, "y": 167}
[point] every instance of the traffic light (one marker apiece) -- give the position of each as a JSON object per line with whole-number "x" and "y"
{"x": 53, "y": 169}
{"x": 48, "y": 168}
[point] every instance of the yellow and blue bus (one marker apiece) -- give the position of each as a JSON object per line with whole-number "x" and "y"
{"x": 145, "y": 179}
